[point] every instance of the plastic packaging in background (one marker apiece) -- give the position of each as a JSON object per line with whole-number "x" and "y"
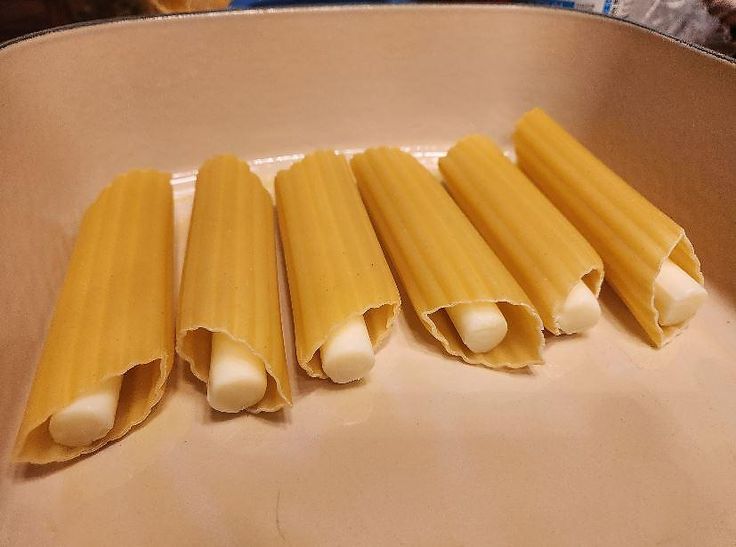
{"x": 711, "y": 23}
{"x": 694, "y": 21}
{"x": 688, "y": 20}
{"x": 615, "y": 8}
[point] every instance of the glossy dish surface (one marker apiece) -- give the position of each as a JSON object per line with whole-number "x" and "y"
{"x": 610, "y": 442}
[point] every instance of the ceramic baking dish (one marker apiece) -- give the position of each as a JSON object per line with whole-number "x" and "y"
{"x": 611, "y": 442}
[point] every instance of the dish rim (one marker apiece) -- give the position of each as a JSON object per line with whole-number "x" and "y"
{"x": 355, "y": 7}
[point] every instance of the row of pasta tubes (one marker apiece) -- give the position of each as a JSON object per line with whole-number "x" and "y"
{"x": 502, "y": 252}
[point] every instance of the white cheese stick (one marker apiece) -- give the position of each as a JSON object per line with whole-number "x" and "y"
{"x": 580, "y": 311}
{"x": 89, "y": 417}
{"x": 677, "y": 296}
{"x": 347, "y": 354}
{"x": 237, "y": 377}
{"x": 481, "y": 325}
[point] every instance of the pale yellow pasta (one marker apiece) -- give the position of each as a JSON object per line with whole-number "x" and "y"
{"x": 229, "y": 282}
{"x": 441, "y": 259}
{"x": 335, "y": 265}
{"x": 544, "y": 252}
{"x": 113, "y": 317}
{"x": 632, "y": 236}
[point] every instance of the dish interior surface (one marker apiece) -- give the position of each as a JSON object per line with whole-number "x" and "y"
{"x": 609, "y": 442}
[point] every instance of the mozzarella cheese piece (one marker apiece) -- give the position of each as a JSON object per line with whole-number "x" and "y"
{"x": 677, "y": 296}
{"x": 580, "y": 311}
{"x": 89, "y": 418}
{"x": 347, "y": 354}
{"x": 481, "y": 325}
{"x": 237, "y": 377}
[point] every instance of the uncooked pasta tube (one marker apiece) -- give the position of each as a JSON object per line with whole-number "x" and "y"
{"x": 343, "y": 296}
{"x": 109, "y": 349}
{"x": 648, "y": 258}
{"x": 229, "y": 324}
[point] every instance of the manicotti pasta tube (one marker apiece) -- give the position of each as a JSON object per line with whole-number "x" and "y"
{"x": 648, "y": 258}
{"x": 553, "y": 263}
{"x": 109, "y": 348}
{"x": 457, "y": 285}
{"x": 343, "y": 296}
{"x": 229, "y": 323}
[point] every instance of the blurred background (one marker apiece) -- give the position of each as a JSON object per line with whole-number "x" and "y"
{"x": 710, "y": 23}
